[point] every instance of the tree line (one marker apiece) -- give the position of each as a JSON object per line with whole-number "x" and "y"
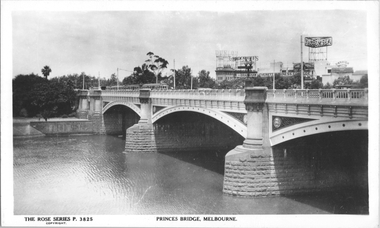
{"x": 37, "y": 96}
{"x": 34, "y": 95}
{"x": 151, "y": 71}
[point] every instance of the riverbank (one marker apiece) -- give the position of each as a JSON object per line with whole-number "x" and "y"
{"x": 21, "y": 120}
{"x": 35, "y": 127}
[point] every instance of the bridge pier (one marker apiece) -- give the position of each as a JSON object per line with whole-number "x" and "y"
{"x": 249, "y": 168}
{"x": 254, "y": 169}
{"x": 83, "y": 107}
{"x": 95, "y": 111}
{"x": 140, "y": 137}
{"x": 257, "y": 169}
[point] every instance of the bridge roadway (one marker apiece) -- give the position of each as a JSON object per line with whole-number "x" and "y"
{"x": 265, "y": 118}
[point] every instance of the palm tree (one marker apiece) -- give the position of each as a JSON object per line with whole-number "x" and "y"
{"x": 46, "y": 71}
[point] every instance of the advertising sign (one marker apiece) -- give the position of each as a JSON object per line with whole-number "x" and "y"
{"x": 246, "y": 58}
{"x": 342, "y": 63}
{"x": 317, "y": 42}
{"x": 225, "y": 53}
{"x": 306, "y": 66}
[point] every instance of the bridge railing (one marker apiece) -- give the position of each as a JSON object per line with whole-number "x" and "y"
{"x": 323, "y": 96}
{"x": 310, "y": 96}
{"x": 210, "y": 95}
{"x": 123, "y": 93}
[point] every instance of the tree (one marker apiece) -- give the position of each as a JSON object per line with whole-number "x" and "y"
{"x": 316, "y": 84}
{"x": 295, "y": 81}
{"x": 156, "y": 64}
{"x": 237, "y": 83}
{"x": 183, "y": 78}
{"x": 283, "y": 83}
{"x": 113, "y": 81}
{"x": 53, "y": 98}
{"x": 46, "y": 71}
{"x": 345, "y": 80}
{"x": 22, "y": 86}
{"x": 327, "y": 86}
{"x": 364, "y": 81}
{"x": 204, "y": 80}
{"x": 129, "y": 80}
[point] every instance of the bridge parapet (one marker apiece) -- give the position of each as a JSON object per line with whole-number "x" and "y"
{"x": 83, "y": 103}
{"x": 212, "y": 94}
{"x": 118, "y": 93}
{"x": 351, "y": 97}
{"x": 226, "y": 100}
{"x": 82, "y": 93}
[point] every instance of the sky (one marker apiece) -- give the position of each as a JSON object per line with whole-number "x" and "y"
{"x": 99, "y": 42}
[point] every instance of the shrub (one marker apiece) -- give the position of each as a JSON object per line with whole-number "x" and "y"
{"x": 73, "y": 114}
{"x": 23, "y": 112}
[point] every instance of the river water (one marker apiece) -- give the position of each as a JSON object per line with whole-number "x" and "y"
{"x": 90, "y": 175}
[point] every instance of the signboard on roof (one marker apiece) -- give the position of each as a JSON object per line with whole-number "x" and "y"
{"x": 246, "y": 58}
{"x": 225, "y": 53}
{"x": 342, "y": 63}
{"x": 306, "y": 66}
{"x": 317, "y": 42}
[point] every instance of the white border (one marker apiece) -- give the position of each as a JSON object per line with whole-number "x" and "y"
{"x": 371, "y": 7}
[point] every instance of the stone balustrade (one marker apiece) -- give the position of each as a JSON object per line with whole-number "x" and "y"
{"x": 216, "y": 97}
{"x": 212, "y": 94}
{"x": 123, "y": 93}
{"x": 352, "y": 97}
{"x": 226, "y": 100}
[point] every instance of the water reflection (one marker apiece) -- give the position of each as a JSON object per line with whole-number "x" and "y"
{"x": 91, "y": 175}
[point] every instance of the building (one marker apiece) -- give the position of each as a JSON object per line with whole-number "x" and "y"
{"x": 321, "y": 68}
{"x": 225, "y": 73}
{"x": 229, "y": 70}
{"x": 274, "y": 68}
{"x": 357, "y": 75}
{"x": 341, "y": 69}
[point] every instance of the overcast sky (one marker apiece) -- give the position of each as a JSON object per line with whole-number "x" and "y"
{"x": 92, "y": 42}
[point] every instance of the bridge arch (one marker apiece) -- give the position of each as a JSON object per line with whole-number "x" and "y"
{"x": 228, "y": 120}
{"x": 132, "y": 106}
{"x": 316, "y": 127}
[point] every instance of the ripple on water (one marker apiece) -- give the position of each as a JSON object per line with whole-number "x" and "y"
{"x": 91, "y": 175}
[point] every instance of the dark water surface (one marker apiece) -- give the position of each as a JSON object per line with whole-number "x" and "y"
{"x": 91, "y": 175}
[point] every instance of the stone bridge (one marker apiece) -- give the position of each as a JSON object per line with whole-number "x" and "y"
{"x": 262, "y": 119}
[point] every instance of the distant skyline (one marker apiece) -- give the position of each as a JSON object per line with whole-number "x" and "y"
{"x": 99, "y": 42}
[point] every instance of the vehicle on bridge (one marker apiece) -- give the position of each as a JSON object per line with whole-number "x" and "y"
{"x": 155, "y": 86}
{"x": 137, "y": 86}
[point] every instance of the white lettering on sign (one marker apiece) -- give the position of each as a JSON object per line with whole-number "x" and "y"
{"x": 316, "y": 42}
{"x": 342, "y": 63}
{"x": 246, "y": 58}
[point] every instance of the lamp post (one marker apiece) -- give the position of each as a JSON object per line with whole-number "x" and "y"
{"x": 99, "y": 80}
{"x": 191, "y": 82}
{"x": 301, "y": 62}
{"x": 274, "y": 73}
{"x": 173, "y": 77}
{"x": 174, "y": 72}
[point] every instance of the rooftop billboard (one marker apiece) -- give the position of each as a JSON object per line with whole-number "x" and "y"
{"x": 306, "y": 66}
{"x": 317, "y": 42}
{"x": 246, "y": 58}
